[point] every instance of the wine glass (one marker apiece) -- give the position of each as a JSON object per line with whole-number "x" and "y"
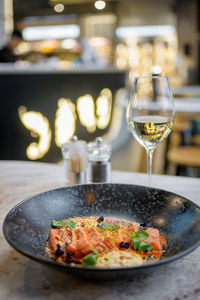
{"x": 150, "y": 113}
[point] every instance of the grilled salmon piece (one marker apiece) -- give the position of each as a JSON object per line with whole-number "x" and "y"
{"x": 84, "y": 240}
{"x": 72, "y": 247}
{"x": 53, "y": 239}
{"x": 154, "y": 238}
{"x": 127, "y": 231}
{"x": 96, "y": 240}
{"x": 59, "y": 236}
{"x": 84, "y": 245}
{"x": 81, "y": 242}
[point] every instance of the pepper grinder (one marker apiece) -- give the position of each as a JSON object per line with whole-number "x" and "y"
{"x": 74, "y": 156}
{"x": 99, "y": 161}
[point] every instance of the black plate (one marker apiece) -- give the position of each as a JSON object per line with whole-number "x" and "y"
{"x": 27, "y": 225}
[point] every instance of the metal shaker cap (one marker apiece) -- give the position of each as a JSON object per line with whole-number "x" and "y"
{"x": 98, "y": 151}
{"x": 74, "y": 146}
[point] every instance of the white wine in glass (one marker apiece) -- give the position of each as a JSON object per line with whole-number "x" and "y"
{"x": 150, "y": 113}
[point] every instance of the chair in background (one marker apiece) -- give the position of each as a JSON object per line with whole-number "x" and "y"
{"x": 183, "y": 155}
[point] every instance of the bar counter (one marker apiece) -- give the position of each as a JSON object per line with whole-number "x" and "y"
{"x": 22, "y": 278}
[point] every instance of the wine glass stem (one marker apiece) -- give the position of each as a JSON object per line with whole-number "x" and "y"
{"x": 149, "y": 163}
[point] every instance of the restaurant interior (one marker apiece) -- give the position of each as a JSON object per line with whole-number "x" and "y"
{"x": 100, "y": 149}
{"x": 73, "y": 69}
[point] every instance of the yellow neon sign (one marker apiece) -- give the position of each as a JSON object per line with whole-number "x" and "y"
{"x": 86, "y": 112}
{"x": 65, "y": 121}
{"x": 39, "y": 125}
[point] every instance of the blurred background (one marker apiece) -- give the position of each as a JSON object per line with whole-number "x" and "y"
{"x": 67, "y": 66}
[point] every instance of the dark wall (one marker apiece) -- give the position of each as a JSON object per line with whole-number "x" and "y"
{"x": 40, "y": 92}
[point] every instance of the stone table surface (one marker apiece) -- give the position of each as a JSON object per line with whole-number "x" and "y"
{"x": 22, "y": 278}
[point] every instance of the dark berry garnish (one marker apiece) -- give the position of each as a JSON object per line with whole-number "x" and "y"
{"x": 59, "y": 251}
{"x": 66, "y": 244}
{"x": 100, "y": 219}
{"x": 124, "y": 245}
{"x": 143, "y": 226}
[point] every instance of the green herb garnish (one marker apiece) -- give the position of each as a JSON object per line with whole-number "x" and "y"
{"x": 138, "y": 242}
{"x": 89, "y": 260}
{"x": 70, "y": 223}
{"x": 135, "y": 243}
{"x": 60, "y": 224}
{"x": 57, "y": 223}
{"x": 142, "y": 235}
{"x": 106, "y": 226}
{"x": 145, "y": 247}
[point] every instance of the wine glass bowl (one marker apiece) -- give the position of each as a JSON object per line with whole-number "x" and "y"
{"x": 150, "y": 113}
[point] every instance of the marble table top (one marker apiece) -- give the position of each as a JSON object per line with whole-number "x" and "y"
{"x": 22, "y": 279}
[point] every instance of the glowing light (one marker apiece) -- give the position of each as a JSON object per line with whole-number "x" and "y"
{"x": 121, "y": 62}
{"x": 86, "y": 112}
{"x": 39, "y": 125}
{"x": 138, "y": 31}
{"x": 103, "y": 108}
{"x": 98, "y": 42}
{"x": 68, "y": 44}
{"x": 156, "y": 70}
{"x": 65, "y": 121}
{"x": 100, "y": 5}
{"x": 22, "y": 48}
{"x": 51, "y": 32}
{"x": 122, "y": 49}
{"x": 48, "y": 45}
{"x": 58, "y": 7}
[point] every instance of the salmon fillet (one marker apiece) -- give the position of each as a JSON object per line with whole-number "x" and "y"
{"x": 87, "y": 237}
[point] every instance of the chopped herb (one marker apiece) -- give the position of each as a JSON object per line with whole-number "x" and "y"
{"x": 57, "y": 223}
{"x": 145, "y": 247}
{"x": 60, "y": 224}
{"x": 105, "y": 225}
{"x": 142, "y": 235}
{"x": 138, "y": 243}
{"x": 70, "y": 223}
{"x": 135, "y": 243}
{"x": 89, "y": 260}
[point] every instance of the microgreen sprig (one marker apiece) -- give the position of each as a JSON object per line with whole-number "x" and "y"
{"x": 90, "y": 259}
{"x": 60, "y": 224}
{"x": 138, "y": 242}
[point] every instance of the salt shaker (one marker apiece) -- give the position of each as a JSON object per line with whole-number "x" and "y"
{"x": 74, "y": 156}
{"x": 99, "y": 161}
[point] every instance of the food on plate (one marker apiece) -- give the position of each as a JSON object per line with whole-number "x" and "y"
{"x": 104, "y": 242}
